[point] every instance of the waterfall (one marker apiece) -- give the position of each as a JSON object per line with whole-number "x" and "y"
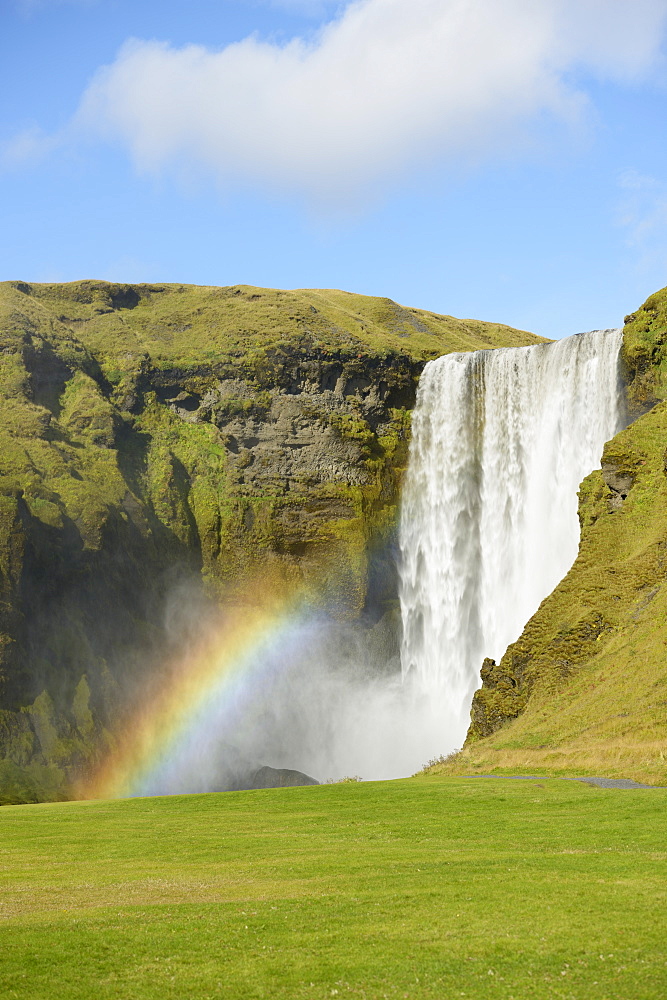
{"x": 500, "y": 443}
{"x": 501, "y": 440}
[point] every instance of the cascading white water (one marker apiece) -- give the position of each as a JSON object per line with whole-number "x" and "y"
{"x": 500, "y": 443}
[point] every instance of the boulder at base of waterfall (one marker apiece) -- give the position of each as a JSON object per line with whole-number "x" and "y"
{"x": 279, "y": 777}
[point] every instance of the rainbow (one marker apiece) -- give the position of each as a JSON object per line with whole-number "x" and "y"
{"x": 210, "y": 685}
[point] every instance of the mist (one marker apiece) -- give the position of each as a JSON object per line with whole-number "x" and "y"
{"x": 313, "y": 699}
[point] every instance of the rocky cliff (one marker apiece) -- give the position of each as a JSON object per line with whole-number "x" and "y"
{"x": 160, "y": 445}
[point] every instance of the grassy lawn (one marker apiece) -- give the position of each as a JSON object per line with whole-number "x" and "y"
{"x": 431, "y": 887}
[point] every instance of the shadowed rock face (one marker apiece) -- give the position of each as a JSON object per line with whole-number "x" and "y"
{"x": 160, "y": 446}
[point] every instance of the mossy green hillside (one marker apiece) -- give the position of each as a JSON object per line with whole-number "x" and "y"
{"x": 584, "y": 689}
{"x": 426, "y": 888}
{"x": 190, "y": 324}
{"x": 645, "y": 353}
{"x": 155, "y": 434}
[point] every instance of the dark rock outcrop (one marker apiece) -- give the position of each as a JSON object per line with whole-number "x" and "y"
{"x": 279, "y": 777}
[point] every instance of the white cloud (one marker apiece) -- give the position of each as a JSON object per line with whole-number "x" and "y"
{"x": 26, "y": 147}
{"x": 386, "y": 85}
{"x": 643, "y": 214}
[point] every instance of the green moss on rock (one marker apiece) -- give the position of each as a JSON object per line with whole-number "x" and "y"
{"x": 645, "y": 353}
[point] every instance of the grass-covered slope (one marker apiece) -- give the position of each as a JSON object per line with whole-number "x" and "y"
{"x": 190, "y": 325}
{"x": 645, "y": 353}
{"x": 428, "y": 888}
{"x": 584, "y": 689}
{"x": 150, "y": 434}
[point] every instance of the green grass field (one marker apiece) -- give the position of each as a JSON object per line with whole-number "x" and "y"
{"x": 429, "y": 887}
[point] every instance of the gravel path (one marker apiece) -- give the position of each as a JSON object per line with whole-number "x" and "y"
{"x": 613, "y": 783}
{"x": 598, "y": 782}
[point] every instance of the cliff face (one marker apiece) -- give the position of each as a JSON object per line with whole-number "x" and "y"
{"x": 158, "y": 436}
{"x": 645, "y": 354}
{"x": 585, "y": 686}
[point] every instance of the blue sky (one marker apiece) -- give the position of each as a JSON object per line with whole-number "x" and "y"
{"x": 496, "y": 159}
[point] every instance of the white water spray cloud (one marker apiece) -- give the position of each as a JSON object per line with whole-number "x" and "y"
{"x": 383, "y": 87}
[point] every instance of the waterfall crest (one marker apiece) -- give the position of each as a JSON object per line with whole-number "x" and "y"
{"x": 501, "y": 441}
